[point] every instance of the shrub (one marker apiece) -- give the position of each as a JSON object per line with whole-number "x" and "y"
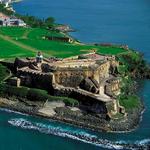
{"x": 70, "y": 102}
{"x": 130, "y": 102}
{"x": 37, "y": 95}
{"x": 3, "y": 72}
{"x": 34, "y": 94}
{"x": 19, "y": 92}
{"x": 2, "y": 89}
{"x": 13, "y": 91}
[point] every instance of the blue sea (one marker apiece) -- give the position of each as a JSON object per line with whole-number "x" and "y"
{"x": 118, "y": 21}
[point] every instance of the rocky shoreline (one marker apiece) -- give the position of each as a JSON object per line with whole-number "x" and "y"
{"x": 130, "y": 123}
{"x": 76, "y": 117}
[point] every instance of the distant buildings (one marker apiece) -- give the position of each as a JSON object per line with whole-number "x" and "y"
{"x": 6, "y": 2}
{"x": 11, "y": 21}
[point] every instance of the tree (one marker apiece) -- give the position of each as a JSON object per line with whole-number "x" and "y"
{"x": 49, "y": 21}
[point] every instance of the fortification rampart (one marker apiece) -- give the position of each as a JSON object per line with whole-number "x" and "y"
{"x": 72, "y": 77}
{"x": 36, "y": 79}
{"x": 85, "y": 98}
{"x": 83, "y": 79}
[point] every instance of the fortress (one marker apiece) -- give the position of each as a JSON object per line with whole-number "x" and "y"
{"x": 88, "y": 78}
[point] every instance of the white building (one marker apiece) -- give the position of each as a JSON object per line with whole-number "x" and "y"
{"x": 11, "y": 21}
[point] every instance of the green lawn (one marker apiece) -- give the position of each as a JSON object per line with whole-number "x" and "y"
{"x": 9, "y": 50}
{"x": 31, "y": 33}
{"x": 13, "y": 32}
{"x": 33, "y": 37}
{"x": 61, "y": 49}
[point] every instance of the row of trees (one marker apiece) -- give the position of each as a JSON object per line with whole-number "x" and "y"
{"x": 37, "y": 22}
{"x": 4, "y": 72}
{"x": 30, "y": 20}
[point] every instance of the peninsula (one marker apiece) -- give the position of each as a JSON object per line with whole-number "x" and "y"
{"x": 47, "y": 73}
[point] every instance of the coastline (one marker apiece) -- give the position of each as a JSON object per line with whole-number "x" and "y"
{"x": 136, "y": 135}
{"x": 128, "y": 125}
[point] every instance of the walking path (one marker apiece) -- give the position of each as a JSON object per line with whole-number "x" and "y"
{"x": 26, "y": 33}
{"x": 8, "y": 39}
{"x": 23, "y": 46}
{"x": 49, "y": 108}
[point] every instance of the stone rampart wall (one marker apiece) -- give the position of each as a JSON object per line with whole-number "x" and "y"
{"x": 36, "y": 80}
{"x": 113, "y": 88}
{"x": 72, "y": 78}
{"x": 95, "y": 105}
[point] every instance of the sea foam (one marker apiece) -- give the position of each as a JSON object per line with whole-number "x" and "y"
{"x": 76, "y": 135}
{"x": 12, "y": 111}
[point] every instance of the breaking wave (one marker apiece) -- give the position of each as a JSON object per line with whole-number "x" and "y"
{"x": 13, "y": 111}
{"x": 76, "y": 135}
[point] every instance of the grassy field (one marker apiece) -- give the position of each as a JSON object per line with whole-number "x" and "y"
{"x": 9, "y": 50}
{"x": 17, "y": 41}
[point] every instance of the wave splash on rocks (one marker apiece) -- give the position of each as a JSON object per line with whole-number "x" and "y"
{"x": 79, "y": 135}
{"x": 13, "y": 111}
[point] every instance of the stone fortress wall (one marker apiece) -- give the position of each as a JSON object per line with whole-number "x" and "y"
{"x": 89, "y": 80}
{"x": 37, "y": 80}
{"x": 72, "y": 77}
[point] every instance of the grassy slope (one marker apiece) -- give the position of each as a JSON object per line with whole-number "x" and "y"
{"x": 33, "y": 38}
{"x": 12, "y": 31}
{"x": 9, "y": 50}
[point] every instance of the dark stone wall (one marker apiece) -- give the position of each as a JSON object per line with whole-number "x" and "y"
{"x": 88, "y": 85}
{"x": 36, "y": 80}
{"x": 72, "y": 81}
{"x": 19, "y": 63}
{"x": 89, "y": 103}
{"x": 92, "y": 104}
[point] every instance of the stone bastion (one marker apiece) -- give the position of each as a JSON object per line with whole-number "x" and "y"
{"x": 88, "y": 78}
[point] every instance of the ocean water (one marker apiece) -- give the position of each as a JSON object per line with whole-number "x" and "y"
{"x": 119, "y": 21}
{"x": 23, "y": 132}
